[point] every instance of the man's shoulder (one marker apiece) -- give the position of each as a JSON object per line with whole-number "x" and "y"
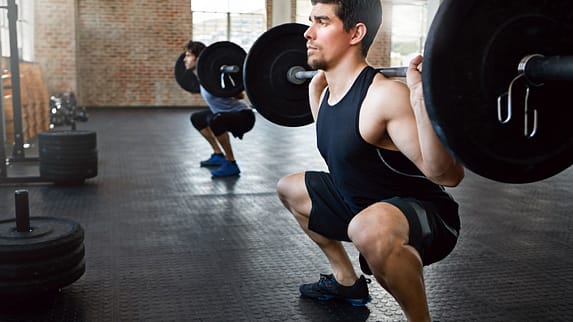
{"x": 388, "y": 91}
{"x": 390, "y": 83}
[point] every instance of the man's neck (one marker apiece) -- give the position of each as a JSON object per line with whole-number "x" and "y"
{"x": 341, "y": 77}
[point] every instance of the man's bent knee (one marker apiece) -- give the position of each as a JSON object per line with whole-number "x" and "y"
{"x": 378, "y": 230}
{"x": 284, "y": 186}
{"x": 291, "y": 190}
{"x": 288, "y": 186}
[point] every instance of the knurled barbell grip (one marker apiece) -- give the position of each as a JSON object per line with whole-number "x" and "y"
{"x": 393, "y": 71}
{"x": 295, "y": 76}
{"x": 539, "y": 68}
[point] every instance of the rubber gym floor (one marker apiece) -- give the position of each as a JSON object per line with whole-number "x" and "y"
{"x": 166, "y": 242}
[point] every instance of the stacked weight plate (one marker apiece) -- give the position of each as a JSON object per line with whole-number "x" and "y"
{"x": 68, "y": 156}
{"x": 38, "y": 255}
{"x": 45, "y": 259}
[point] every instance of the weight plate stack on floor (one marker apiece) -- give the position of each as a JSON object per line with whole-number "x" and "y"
{"x": 68, "y": 156}
{"x": 45, "y": 259}
{"x": 38, "y": 256}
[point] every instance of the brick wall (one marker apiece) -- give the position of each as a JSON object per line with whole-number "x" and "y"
{"x": 122, "y": 53}
{"x": 379, "y": 54}
{"x": 55, "y": 44}
{"x": 270, "y": 13}
{"x": 127, "y": 50}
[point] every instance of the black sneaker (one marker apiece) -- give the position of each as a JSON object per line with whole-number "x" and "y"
{"x": 327, "y": 288}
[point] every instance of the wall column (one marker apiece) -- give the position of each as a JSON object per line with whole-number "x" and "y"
{"x": 281, "y": 12}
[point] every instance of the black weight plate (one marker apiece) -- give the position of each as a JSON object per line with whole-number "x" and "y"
{"x": 48, "y": 237}
{"x": 73, "y": 135}
{"x": 66, "y": 157}
{"x": 72, "y": 174}
{"x": 68, "y": 139}
{"x": 69, "y": 168}
{"x": 265, "y": 77}
{"x": 38, "y": 268}
{"x": 64, "y": 147}
{"x": 42, "y": 284}
{"x": 185, "y": 78}
{"x": 471, "y": 56}
{"x": 209, "y": 63}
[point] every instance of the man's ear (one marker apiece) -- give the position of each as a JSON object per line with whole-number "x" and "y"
{"x": 359, "y": 32}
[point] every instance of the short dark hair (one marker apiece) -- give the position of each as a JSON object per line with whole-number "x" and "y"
{"x": 352, "y": 12}
{"x": 195, "y": 47}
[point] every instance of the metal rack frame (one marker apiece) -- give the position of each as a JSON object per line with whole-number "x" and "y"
{"x": 18, "y": 152}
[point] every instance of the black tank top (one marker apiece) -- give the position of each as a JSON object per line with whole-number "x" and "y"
{"x": 363, "y": 173}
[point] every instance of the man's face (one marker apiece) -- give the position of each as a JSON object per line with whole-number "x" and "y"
{"x": 326, "y": 39}
{"x": 190, "y": 60}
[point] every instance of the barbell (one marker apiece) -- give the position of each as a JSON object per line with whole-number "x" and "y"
{"x": 496, "y": 77}
{"x": 219, "y": 70}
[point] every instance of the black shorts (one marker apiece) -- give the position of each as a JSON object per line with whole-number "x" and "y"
{"x": 238, "y": 123}
{"x": 330, "y": 217}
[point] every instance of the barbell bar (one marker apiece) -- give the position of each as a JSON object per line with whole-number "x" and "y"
{"x": 536, "y": 68}
{"x": 220, "y": 68}
{"x": 298, "y": 75}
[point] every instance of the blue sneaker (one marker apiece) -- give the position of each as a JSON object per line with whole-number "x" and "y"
{"x": 215, "y": 160}
{"x": 327, "y": 288}
{"x": 227, "y": 169}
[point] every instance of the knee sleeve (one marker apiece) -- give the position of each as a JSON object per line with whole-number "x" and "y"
{"x": 201, "y": 120}
{"x": 218, "y": 124}
{"x": 238, "y": 123}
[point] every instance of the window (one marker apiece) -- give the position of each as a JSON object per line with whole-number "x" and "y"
{"x": 303, "y": 8}
{"x": 241, "y": 22}
{"x": 24, "y": 26}
{"x": 409, "y": 23}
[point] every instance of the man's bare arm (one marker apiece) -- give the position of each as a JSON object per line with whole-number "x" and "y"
{"x": 438, "y": 163}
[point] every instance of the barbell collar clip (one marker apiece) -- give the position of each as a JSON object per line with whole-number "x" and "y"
{"x": 224, "y": 84}
{"x": 500, "y": 105}
{"x": 527, "y": 133}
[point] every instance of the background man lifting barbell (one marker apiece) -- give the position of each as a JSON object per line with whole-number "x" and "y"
{"x": 225, "y": 114}
{"x": 386, "y": 167}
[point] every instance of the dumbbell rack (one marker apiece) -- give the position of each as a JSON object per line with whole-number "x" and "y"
{"x": 18, "y": 152}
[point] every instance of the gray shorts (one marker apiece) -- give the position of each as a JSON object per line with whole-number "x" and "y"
{"x": 429, "y": 234}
